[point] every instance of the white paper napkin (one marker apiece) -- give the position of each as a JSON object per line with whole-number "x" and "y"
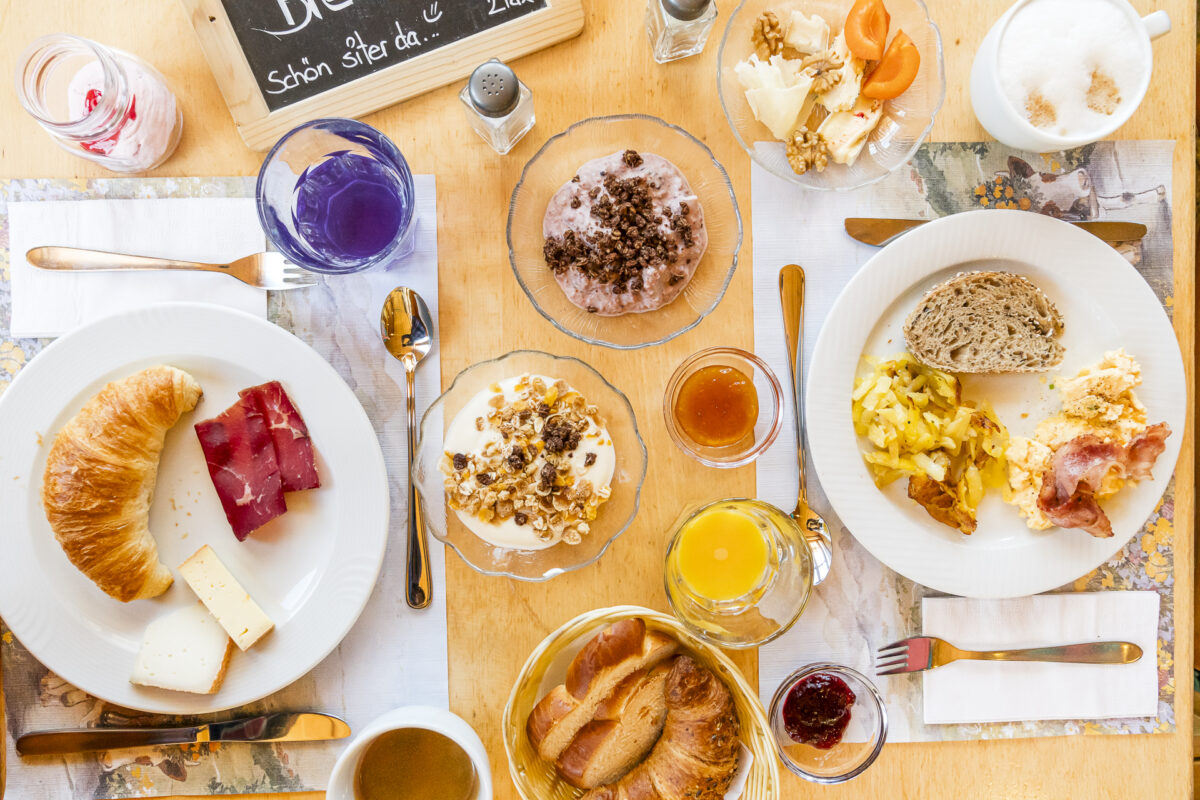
{"x": 46, "y": 303}
{"x": 980, "y": 691}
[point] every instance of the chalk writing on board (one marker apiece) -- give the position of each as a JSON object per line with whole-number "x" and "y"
{"x": 300, "y": 48}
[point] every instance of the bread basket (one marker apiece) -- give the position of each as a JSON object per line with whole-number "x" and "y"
{"x": 536, "y": 779}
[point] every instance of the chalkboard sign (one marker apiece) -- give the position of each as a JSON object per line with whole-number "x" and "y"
{"x": 281, "y": 62}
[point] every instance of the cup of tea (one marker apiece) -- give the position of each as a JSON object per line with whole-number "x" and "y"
{"x": 1055, "y": 74}
{"x": 413, "y": 753}
{"x": 336, "y": 196}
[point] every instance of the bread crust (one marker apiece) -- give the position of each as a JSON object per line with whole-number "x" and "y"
{"x": 100, "y": 476}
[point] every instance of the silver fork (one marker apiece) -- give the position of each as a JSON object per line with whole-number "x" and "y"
{"x": 919, "y": 653}
{"x": 264, "y": 270}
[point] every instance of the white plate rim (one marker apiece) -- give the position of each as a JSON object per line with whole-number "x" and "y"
{"x": 351, "y": 579}
{"x": 935, "y": 247}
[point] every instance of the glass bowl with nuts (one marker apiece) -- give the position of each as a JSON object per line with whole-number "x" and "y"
{"x": 831, "y": 94}
{"x": 529, "y": 465}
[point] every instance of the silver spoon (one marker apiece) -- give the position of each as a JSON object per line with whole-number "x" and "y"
{"x": 406, "y": 327}
{"x": 791, "y": 297}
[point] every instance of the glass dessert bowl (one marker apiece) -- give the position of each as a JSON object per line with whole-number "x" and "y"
{"x": 905, "y": 121}
{"x": 716, "y": 227}
{"x": 723, "y": 407}
{"x": 837, "y": 748}
{"x": 496, "y": 431}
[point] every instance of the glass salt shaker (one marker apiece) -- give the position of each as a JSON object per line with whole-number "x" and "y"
{"x": 99, "y": 103}
{"x": 499, "y": 107}
{"x": 679, "y": 28}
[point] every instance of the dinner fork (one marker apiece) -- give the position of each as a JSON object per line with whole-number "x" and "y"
{"x": 919, "y": 653}
{"x": 264, "y": 270}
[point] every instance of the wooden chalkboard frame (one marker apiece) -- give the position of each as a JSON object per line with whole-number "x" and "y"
{"x": 261, "y": 127}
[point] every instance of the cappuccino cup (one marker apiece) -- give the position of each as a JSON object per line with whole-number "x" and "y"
{"x": 1055, "y": 74}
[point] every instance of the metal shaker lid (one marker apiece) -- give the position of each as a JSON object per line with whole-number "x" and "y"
{"x": 493, "y": 88}
{"x": 686, "y": 9}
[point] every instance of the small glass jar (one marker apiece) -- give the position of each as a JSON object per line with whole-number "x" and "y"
{"x": 679, "y": 28}
{"x": 99, "y": 103}
{"x": 738, "y": 572}
{"x": 499, "y": 107}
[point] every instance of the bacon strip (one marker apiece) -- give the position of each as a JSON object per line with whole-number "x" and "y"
{"x": 1067, "y": 497}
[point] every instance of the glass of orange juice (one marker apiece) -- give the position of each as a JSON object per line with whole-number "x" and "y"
{"x": 738, "y": 572}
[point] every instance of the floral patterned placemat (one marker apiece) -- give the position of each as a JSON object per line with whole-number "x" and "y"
{"x": 863, "y": 601}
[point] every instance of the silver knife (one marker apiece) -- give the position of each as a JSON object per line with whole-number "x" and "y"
{"x": 879, "y": 232}
{"x": 278, "y": 727}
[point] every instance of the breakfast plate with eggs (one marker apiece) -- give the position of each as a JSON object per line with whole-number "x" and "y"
{"x": 148, "y": 557}
{"x": 1013, "y": 417}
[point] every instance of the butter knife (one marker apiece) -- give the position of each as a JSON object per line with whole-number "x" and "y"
{"x": 878, "y": 232}
{"x": 277, "y": 727}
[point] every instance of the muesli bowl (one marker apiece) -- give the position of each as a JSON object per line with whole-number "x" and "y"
{"x": 557, "y": 162}
{"x": 906, "y": 120}
{"x": 614, "y": 515}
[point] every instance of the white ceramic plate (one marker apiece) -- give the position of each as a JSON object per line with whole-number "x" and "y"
{"x": 1106, "y": 304}
{"x": 311, "y": 569}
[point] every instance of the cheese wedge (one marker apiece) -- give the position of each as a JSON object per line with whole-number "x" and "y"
{"x": 846, "y": 132}
{"x": 807, "y": 34}
{"x": 232, "y": 605}
{"x": 185, "y": 650}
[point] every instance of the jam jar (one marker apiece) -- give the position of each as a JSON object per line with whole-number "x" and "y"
{"x": 99, "y": 103}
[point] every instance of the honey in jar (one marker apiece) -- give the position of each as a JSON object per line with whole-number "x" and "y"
{"x": 717, "y": 406}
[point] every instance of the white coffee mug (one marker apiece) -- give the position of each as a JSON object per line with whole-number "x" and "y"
{"x": 996, "y": 113}
{"x": 452, "y": 726}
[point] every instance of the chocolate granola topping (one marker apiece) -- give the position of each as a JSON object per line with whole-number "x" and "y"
{"x": 520, "y": 518}
{"x": 629, "y": 240}
{"x": 560, "y": 436}
{"x": 589, "y": 459}
{"x": 546, "y": 477}
{"x": 632, "y": 157}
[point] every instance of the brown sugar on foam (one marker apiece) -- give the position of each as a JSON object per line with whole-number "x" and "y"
{"x": 1041, "y": 112}
{"x": 1103, "y": 96}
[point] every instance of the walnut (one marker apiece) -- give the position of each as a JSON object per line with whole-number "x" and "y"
{"x": 807, "y": 150}
{"x": 823, "y": 68}
{"x": 767, "y": 35}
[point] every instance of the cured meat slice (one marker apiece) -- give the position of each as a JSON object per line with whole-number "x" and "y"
{"x": 1078, "y": 467}
{"x": 241, "y": 462}
{"x": 1145, "y": 449}
{"x": 289, "y": 435}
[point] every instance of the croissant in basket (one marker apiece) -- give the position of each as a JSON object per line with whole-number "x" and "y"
{"x": 100, "y": 477}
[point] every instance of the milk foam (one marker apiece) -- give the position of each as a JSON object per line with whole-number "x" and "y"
{"x": 1071, "y": 66}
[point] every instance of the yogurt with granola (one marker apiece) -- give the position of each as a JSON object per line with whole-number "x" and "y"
{"x": 528, "y": 463}
{"x": 625, "y": 235}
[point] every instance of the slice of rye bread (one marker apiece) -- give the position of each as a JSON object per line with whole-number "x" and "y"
{"x": 985, "y": 322}
{"x": 625, "y": 727}
{"x": 605, "y": 661}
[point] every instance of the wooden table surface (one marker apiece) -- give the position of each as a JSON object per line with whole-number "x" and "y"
{"x": 494, "y": 623}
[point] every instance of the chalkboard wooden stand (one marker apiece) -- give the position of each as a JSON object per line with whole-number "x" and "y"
{"x": 263, "y": 117}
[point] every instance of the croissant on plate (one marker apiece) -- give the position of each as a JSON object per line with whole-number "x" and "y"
{"x": 100, "y": 477}
{"x": 696, "y": 756}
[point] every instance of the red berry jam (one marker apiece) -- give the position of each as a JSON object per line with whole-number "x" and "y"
{"x": 817, "y": 710}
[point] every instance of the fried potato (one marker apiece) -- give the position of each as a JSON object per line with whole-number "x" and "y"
{"x": 951, "y": 450}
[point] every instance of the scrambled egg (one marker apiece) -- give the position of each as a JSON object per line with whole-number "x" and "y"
{"x": 1100, "y": 401}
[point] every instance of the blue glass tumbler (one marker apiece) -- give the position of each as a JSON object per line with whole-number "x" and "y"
{"x": 336, "y": 196}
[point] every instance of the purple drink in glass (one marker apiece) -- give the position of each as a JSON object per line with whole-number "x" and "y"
{"x": 336, "y": 196}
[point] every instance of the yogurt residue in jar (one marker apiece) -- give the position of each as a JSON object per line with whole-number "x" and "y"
{"x": 1069, "y": 66}
{"x": 148, "y": 130}
{"x": 528, "y": 463}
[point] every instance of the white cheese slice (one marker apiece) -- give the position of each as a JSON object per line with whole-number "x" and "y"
{"x": 779, "y": 109}
{"x": 185, "y": 650}
{"x": 753, "y": 73}
{"x": 807, "y": 34}
{"x": 233, "y": 607}
{"x": 845, "y": 93}
{"x": 846, "y": 131}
